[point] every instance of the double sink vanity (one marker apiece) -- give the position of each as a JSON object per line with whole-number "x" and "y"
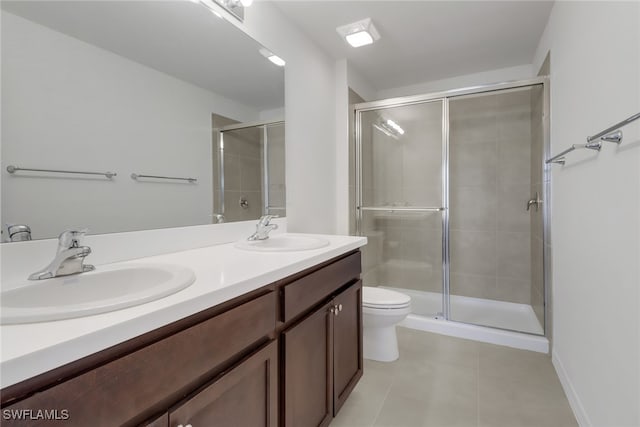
{"x": 236, "y": 333}
{"x": 263, "y": 333}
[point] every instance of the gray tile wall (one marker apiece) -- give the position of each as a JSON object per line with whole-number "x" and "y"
{"x": 276, "y": 159}
{"x": 405, "y": 249}
{"x": 490, "y": 175}
{"x": 494, "y": 144}
{"x": 354, "y": 98}
{"x": 243, "y": 170}
{"x": 536, "y": 217}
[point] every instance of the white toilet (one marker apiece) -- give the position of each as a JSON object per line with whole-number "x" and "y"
{"x": 382, "y": 309}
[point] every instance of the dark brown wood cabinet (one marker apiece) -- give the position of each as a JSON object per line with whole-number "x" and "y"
{"x": 347, "y": 344}
{"x": 161, "y": 421}
{"x": 128, "y": 389}
{"x": 285, "y": 354}
{"x": 308, "y": 365}
{"x": 247, "y": 395}
{"x": 322, "y": 359}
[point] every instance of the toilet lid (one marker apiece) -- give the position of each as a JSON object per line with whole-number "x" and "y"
{"x": 378, "y": 297}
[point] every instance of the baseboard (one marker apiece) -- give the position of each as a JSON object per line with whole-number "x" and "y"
{"x": 572, "y": 396}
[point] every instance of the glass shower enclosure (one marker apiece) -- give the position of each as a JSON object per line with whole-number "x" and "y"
{"x": 449, "y": 192}
{"x": 250, "y": 178}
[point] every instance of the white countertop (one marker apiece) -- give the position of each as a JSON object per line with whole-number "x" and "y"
{"x": 222, "y": 272}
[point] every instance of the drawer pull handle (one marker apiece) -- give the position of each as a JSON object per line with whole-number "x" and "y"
{"x": 336, "y": 309}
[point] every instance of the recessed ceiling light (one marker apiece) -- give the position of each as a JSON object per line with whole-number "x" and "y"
{"x": 361, "y": 38}
{"x": 359, "y": 33}
{"x": 272, "y": 57}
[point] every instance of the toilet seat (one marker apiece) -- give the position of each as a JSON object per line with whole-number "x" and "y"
{"x": 373, "y": 297}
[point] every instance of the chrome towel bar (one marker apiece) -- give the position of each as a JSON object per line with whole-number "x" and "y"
{"x": 14, "y": 169}
{"x": 136, "y": 176}
{"x": 559, "y": 158}
{"x": 399, "y": 209}
{"x": 605, "y": 133}
{"x": 610, "y": 134}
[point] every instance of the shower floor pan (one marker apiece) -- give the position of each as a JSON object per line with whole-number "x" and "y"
{"x": 495, "y": 322}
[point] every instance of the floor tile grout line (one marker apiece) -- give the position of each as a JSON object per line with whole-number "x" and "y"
{"x": 478, "y": 389}
{"x": 383, "y": 401}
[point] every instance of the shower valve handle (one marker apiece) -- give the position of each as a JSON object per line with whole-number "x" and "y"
{"x": 535, "y": 201}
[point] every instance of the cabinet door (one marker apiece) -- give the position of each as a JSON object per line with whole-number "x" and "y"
{"x": 347, "y": 343}
{"x": 161, "y": 421}
{"x": 308, "y": 370}
{"x": 245, "y": 396}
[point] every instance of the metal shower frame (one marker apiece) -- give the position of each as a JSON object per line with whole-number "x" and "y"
{"x": 444, "y": 98}
{"x": 266, "y": 208}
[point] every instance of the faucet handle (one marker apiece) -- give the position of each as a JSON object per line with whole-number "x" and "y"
{"x": 71, "y": 238}
{"x": 264, "y": 219}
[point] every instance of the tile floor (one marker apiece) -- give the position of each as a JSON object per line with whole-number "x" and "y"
{"x": 446, "y": 381}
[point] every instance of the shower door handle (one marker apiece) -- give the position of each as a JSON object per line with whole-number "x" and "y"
{"x": 535, "y": 201}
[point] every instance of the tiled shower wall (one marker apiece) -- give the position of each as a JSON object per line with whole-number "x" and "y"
{"x": 276, "y": 159}
{"x": 537, "y": 226}
{"x": 354, "y": 98}
{"x": 405, "y": 248}
{"x": 491, "y": 246}
{"x": 242, "y": 171}
{"x": 490, "y": 172}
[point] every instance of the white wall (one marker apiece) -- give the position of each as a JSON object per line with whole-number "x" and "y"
{"x": 500, "y": 75}
{"x": 346, "y": 78}
{"x": 595, "y": 220}
{"x": 359, "y": 84}
{"x": 310, "y": 118}
{"x": 342, "y": 146}
{"x": 70, "y": 105}
{"x": 274, "y": 115}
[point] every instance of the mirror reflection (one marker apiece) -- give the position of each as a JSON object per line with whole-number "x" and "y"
{"x": 250, "y": 182}
{"x": 123, "y": 116}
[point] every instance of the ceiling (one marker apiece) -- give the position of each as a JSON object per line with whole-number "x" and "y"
{"x": 179, "y": 38}
{"x": 425, "y": 40}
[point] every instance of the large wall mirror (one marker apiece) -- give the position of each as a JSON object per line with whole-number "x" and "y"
{"x": 176, "y": 113}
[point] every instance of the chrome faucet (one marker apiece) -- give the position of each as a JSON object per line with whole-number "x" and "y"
{"x": 69, "y": 259}
{"x": 263, "y": 227}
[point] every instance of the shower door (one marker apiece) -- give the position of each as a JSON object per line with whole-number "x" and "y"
{"x": 401, "y": 199}
{"x": 250, "y": 178}
{"x": 452, "y": 194}
{"x": 274, "y": 166}
{"x": 496, "y": 233}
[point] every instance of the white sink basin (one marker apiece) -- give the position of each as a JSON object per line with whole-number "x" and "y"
{"x": 283, "y": 243}
{"x": 106, "y": 289}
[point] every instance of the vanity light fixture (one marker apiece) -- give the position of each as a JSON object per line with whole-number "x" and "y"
{"x": 272, "y": 57}
{"x": 210, "y": 6}
{"x": 216, "y": 13}
{"x": 360, "y": 33}
{"x": 234, "y": 7}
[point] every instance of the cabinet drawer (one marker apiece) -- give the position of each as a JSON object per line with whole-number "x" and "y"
{"x": 311, "y": 289}
{"x": 127, "y": 390}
